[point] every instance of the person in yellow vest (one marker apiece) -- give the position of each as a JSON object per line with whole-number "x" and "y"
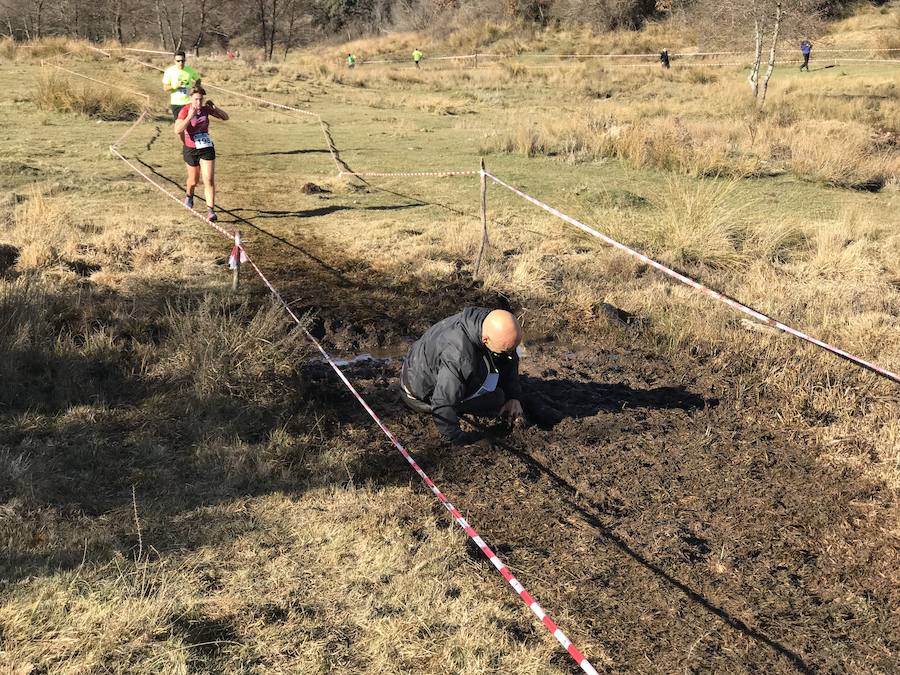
{"x": 177, "y": 82}
{"x": 417, "y": 56}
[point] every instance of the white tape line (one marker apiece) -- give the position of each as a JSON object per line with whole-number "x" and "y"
{"x": 408, "y": 173}
{"x": 696, "y": 285}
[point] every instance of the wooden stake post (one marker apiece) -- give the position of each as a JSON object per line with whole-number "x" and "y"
{"x": 236, "y": 278}
{"x": 484, "y": 230}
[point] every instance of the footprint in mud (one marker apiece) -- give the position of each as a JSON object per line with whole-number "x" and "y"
{"x": 695, "y": 548}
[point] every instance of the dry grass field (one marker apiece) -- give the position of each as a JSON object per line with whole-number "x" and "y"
{"x": 186, "y": 488}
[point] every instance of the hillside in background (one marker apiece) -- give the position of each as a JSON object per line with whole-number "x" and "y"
{"x": 277, "y": 26}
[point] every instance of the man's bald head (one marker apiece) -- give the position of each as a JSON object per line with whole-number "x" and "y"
{"x": 501, "y": 331}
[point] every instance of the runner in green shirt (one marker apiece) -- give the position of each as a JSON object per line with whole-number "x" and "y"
{"x": 351, "y": 60}
{"x": 417, "y": 56}
{"x": 177, "y": 81}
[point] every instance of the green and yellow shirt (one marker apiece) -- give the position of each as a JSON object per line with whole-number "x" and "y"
{"x": 181, "y": 80}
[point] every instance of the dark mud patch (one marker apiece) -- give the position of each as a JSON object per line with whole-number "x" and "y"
{"x": 673, "y": 527}
{"x": 8, "y": 257}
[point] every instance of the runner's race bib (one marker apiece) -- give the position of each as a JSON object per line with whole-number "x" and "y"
{"x": 202, "y": 140}
{"x": 183, "y": 90}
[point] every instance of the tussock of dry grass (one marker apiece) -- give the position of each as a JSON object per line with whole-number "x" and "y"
{"x": 62, "y": 94}
{"x": 45, "y": 48}
{"x": 222, "y": 348}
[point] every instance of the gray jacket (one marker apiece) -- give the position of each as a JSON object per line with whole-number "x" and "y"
{"x": 449, "y": 363}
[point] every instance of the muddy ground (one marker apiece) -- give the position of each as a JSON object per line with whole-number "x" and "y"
{"x": 653, "y": 513}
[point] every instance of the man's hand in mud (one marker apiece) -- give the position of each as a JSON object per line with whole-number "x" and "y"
{"x": 511, "y": 410}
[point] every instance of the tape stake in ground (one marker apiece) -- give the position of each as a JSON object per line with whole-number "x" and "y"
{"x": 697, "y": 286}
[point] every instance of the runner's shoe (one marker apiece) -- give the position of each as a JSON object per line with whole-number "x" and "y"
{"x": 211, "y": 216}
{"x": 189, "y": 201}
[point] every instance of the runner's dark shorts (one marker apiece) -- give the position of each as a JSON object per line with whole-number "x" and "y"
{"x": 192, "y": 156}
{"x": 175, "y": 110}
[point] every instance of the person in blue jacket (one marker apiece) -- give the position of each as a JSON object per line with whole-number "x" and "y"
{"x": 805, "y": 49}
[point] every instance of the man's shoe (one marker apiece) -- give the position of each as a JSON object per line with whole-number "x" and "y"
{"x": 211, "y": 216}
{"x": 189, "y": 201}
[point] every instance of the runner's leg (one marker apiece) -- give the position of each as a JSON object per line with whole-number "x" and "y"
{"x": 193, "y": 177}
{"x": 208, "y": 169}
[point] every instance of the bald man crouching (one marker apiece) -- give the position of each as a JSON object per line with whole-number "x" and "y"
{"x": 467, "y": 363}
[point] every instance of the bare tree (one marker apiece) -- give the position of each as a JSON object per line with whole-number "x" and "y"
{"x": 162, "y": 35}
{"x": 117, "y": 21}
{"x": 201, "y": 29}
{"x": 724, "y": 23}
{"x": 37, "y": 16}
{"x": 180, "y": 44}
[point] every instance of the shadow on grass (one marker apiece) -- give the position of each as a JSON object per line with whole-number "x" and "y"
{"x": 101, "y": 402}
{"x": 304, "y": 151}
{"x": 549, "y": 401}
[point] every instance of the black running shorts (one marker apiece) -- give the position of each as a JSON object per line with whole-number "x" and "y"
{"x": 192, "y": 156}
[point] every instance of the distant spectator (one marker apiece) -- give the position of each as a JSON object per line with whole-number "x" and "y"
{"x": 229, "y": 55}
{"x": 805, "y": 49}
{"x": 351, "y": 60}
{"x": 417, "y": 56}
{"x": 664, "y": 58}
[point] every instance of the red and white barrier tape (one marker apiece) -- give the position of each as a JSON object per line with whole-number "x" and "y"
{"x": 696, "y": 285}
{"x": 461, "y": 57}
{"x": 409, "y": 173}
{"x": 858, "y": 49}
{"x": 840, "y": 59}
{"x": 134, "y": 49}
{"x": 492, "y": 557}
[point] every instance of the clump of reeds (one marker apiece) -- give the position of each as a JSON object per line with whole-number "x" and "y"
{"x": 60, "y": 94}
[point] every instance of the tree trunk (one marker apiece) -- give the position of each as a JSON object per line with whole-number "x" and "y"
{"x": 292, "y": 19}
{"x": 9, "y": 28}
{"x": 263, "y": 24}
{"x": 72, "y": 20}
{"x": 25, "y": 26}
{"x": 202, "y": 29}
{"x": 771, "y": 65}
{"x": 181, "y": 29}
{"x": 162, "y": 35}
{"x": 169, "y": 26}
{"x": 757, "y": 58}
{"x": 273, "y": 25}
{"x": 117, "y": 22}
{"x": 38, "y": 15}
